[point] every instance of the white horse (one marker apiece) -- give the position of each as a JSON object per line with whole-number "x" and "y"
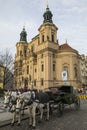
{"x": 33, "y": 100}
{"x": 10, "y": 98}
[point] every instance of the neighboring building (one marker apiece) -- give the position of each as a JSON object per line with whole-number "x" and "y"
{"x": 43, "y": 62}
{"x": 2, "y": 76}
{"x": 83, "y": 69}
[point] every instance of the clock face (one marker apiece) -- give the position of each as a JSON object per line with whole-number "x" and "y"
{"x": 64, "y": 75}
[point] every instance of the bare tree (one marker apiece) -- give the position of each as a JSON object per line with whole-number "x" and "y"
{"x": 6, "y": 59}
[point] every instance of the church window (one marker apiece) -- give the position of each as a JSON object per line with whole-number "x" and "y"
{"x": 35, "y": 70}
{"x": 20, "y": 53}
{"x": 42, "y": 38}
{"x": 53, "y": 55}
{"x": 54, "y": 78}
{"x": 52, "y": 38}
{"x": 27, "y": 69}
{"x": 42, "y": 82}
{"x": 20, "y": 63}
{"x": 47, "y": 17}
{"x": 25, "y": 53}
{"x": 34, "y": 82}
{"x": 42, "y": 67}
{"x": 30, "y": 78}
{"x": 53, "y": 67}
{"x": 75, "y": 71}
{"x": 42, "y": 56}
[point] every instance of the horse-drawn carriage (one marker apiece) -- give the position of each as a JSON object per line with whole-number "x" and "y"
{"x": 61, "y": 96}
{"x": 53, "y": 98}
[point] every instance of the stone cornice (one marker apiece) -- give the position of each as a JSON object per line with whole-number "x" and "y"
{"x": 47, "y": 24}
{"x": 46, "y": 49}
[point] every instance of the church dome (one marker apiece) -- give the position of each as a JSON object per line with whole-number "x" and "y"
{"x": 23, "y": 35}
{"x": 47, "y": 16}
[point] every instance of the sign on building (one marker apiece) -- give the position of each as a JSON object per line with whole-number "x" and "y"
{"x": 64, "y": 75}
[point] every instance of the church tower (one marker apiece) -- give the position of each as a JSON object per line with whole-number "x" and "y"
{"x": 48, "y": 30}
{"x": 48, "y": 46}
{"x": 20, "y": 57}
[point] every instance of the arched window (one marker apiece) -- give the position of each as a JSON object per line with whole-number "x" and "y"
{"x": 42, "y": 67}
{"x": 41, "y": 55}
{"x": 35, "y": 70}
{"x": 52, "y": 38}
{"x": 53, "y": 67}
{"x": 20, "y": 53}
{"x": 34, "y": 82}
{"x": 27, "y": 69}
{"x": 20, "y": 63}
{"x": 42, "y": 38}
{"x": 42, "y": 82}
{"x": 24, "y": 53}
{"x": 75, "y": 71}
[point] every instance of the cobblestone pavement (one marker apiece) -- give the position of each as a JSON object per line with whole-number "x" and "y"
{"x": 71, "y": 120}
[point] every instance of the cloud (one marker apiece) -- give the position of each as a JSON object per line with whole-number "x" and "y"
{"x": 69, "y": 15}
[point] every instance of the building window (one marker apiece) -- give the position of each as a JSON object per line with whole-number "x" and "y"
{"x": 27, "y": 69}
{"x": 30, "y": 78}
{"x": 20, "y": 53}
{"x": 75, "y": 71}
{"x": 53, "y": 55}
{"x": 20, "y": 83}
{"x": 42, "y": 67}
{"x": 25, "y": 82}
{"x": 20, "y": 63}
{"x": 24, "y": 53}
{"x": 42, "y": 83}
{"x": 42, "y": 38}
{"x": 34, "y": 82}
{"x": 52, "y": 38}
{"x": 41, "y": 55}
{"x": 54, "y": 78}
{"x": 53, "y": 67}
{"x": 35, "y": 70}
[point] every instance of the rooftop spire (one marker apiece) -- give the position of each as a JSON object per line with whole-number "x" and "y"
{"x": 66, "y": 41}
{"x": 47, "y": 4}
{"x": 23, "y": 35}
{"x": 47, "y": 15}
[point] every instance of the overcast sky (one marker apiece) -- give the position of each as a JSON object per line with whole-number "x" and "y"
{"x": 70, "y": 16}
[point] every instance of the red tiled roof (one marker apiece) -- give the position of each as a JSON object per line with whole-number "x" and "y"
{"x": 65, "y": 46}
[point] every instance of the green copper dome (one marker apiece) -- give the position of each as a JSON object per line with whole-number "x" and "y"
{"x": 23, "y": 35}
{"x": 47, "y": 16}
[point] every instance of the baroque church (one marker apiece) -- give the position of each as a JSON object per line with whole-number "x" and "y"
{"x": 42, "y": 62}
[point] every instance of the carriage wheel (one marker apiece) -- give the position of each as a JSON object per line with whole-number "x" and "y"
{"x": 60, "y": 109}
{"x": 77, "y": 103}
